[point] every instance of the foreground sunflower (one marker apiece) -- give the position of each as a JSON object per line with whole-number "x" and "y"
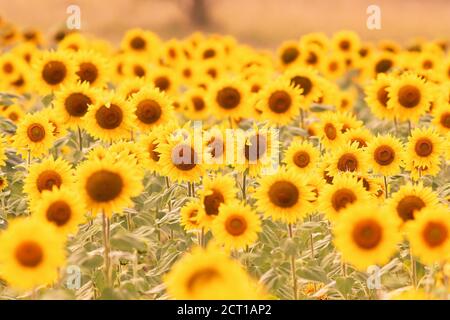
{"x": 209, "y": 274}
{"x": 284, "y": 196}
{"x": 345, "y": 191}
{"x": 62, "y": 209}
{"x": 237, "y": 226}
{"x": 47, "y": 175}
{"x": 34, "y": 134}
{"x": 386, "y": 155}
{"x": 31, "y": 254}
{"x": 110, "y": 118}
{"x": 107, "y": 185}
{"x": 348, "y": 158}
{"x": 366, "y": 235}
{"x": 409, "y": 201}
{"x": 429, "y": 235}
{"x": 92, "y": 68}
{"x": 301, "y": 157}
{"x": 425, "y": 147}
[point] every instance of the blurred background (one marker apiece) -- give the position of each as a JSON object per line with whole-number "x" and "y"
{"x": 262, "y": 23}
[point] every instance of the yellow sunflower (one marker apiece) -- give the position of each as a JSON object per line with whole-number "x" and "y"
{"x": 279, "y": 101}
{"x": 408, "y": 202}
{"x": 196, "y": 106}
{"x": 348, "y": 158}
{"x": 429, "y": 235}
{"x": 377, "y": 96}
{"x": 141, "y": 42}
{"x": 110, "y": 118}
{"x": 441, "y": 118}
{"x": 425, "y": 147}
{"x": 284, "y": 196}
{"x": 3, "y": 183}
{"x": 361, "y": 136}
{"x": 346, "y": 41}
{"x": 366, "y": 235}
{"x": 34, "y": 134}
{"x": 92, "y": 68}
{"x": 288, "y": 53}
{"x": 107, "y": 185}
{"x": 209, "y": 274}
{"x": 165, "y": 79}
{"x": 53, "y": 69}
{"x": 189, "y": 215}
{"x": 301, "y": 156}
{"x": 330, "y": 130}
{"x": 72, "y": 103}
{"x": 237, "y": 226}
{"x": 215, "y": 141}
{"x": 13, "y": 112}
{"x": 409, "y": 97}
{"x": 61, "y": 208}
{"x": 30, "y": 254}
{"x": 152, "y": 108}
{"x": 386, "y": 155}
{"x": 308, "y": 80}
{"x": 130, "y": 86}
{"x": 228, "y": 98}
{"x": 344, "y": 192}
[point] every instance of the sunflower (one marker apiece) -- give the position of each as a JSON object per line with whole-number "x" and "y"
{"x": 386, "y": 155}
{"x": 190, "y": 214}
{"x": 441, "y": 118}
{"x": 306, "y": 79}
{"x": 228, "y": 98}
{"x": 301, "y": 156}
{"x": 279, "y": 101}
{"x": 53, "y": 69}
{"x": 152, "y": 108}
{"x": 429, "y": 235}
{"x": 361, "y": 136}
{"x": 378, "y": 64}
{"x": 347, "y": 100}
{"x": 346, "y": 42}
{"x": 408, "y": 202}
{"x": 30, "y": 254}
{"x": 165, "y": 79}
{"x": 110, "y": 118}
{"x": 366, "y": 235}
{"x": 47, "y": 175}
{"x": 348, "y": 158}
{"x": 3, "y": 183}
{"x": 288, "y": 53}
{"x": 61, "y": 208}
{"x": 9, "y": 66}
{"x": 135, "y": 67}
{"x": 409, "y": 97}
{"x": 333, "y": 66}
{"x": 349, "y": 121}
{"x": 107, "y": 185}
{"x": 318, "y": 38}
{"x": 312, "y": 55}
{"x": 425, "y": 147}
{"x": 34, "y": 134}
{"x": 92, "y": 68}
{"x": 129, "y": 151}
{"x": 209, "y": 274}
{"x": 172, "y": 52}
{"x": 73, "y": 41}
{"x": 216, "y": 191}
{"x": 141, "y": 42}
{"x": 182, "y": 159}
{"x": 72, "y": 103}
{"x": 215, "y": 141}
{"x": 330, "y": 130}
{"x": 237, "y": 226}
{"x": 148, "y": 145}
{"x": 344, "y": 192}
{"x": 13, "y": 112}
{"x": 59, "y": 128}
{"x": 284, "y": 196}
{"x": 377, "y": 96}
{"x": 196, "y": 106}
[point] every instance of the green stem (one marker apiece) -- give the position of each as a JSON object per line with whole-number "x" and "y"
{"x": 293, "y": 267}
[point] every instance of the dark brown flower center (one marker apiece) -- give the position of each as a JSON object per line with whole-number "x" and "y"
{"x": 148, "y": 111}
{"x": 301, "y": 159}
{"x": 423, "y": 147}
{"x": 255, "y": 148}
{"x": 162, "y": 83}
{"x": 407, "y": 206}
{"x": 201, "y": 279}
{"x": 445, "y": 120}
{"x": 280, "y": 101}
{"x": 435, "y": 234}
{"x": 184, "y": 157}
{"x": 109, "y": 118}
{"x": 289, "y": 55}
{"x": 382, "y": 96}
{"x": 36, "y": 132}
{"x": 361, "y": 142}
{"x": 284, "y": 194}
{"x": 303, "y": 83}
{"x": 8, "y": 67}
{"x": 330, "y": 131}
{"x": 367, "y": 234}
{"x": 212, "y": 202}
{"x": 409, "y": 96}
{"x": 54, "y": 72}
{"x": 209, "y": 53}
{"x": 59, "y": 213}
{"x": 341, "y": 198}
{"x": 139, "y": 71}
{"x": 77, "y": 104}
{"x": 236, "y": 225}
{"x": 104, "y": 185}
{"x": 344, "y": 45}
{"x": 347, "y": 162}
{"x": 87, "y": 71}
{"x": 383, "y": 66}
{"x": 154, "y": 155}
{"x": 228, "y": 98}
{"x": 138, "y": 43}
{"x": 198, "y": 103}
{"x": 384, "y": 155}
{"x": 47, "y": 180}
{"x": 29, "y": 254}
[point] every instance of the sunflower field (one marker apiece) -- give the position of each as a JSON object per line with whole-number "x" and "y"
{"x": 204, "y": 168}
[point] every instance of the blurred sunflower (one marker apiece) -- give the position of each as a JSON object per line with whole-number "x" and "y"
{"x": 196, "y": 106}
{"x": 348, "y": 158}
{"x": 425, "y": 147}
{"x": 361, "y": 136}
{"x": 386, "y": 155}
{"x": 330, "y": 130}
{"x": 92, "y": 68}
{"x": 228, "y": 98}
{"x": 301, "y": 157}
{"x": 189, "y": 215}
{"x": 288, "y": 53}
{"x": 377, "y": 96}
{"x": 307, "y": 79}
